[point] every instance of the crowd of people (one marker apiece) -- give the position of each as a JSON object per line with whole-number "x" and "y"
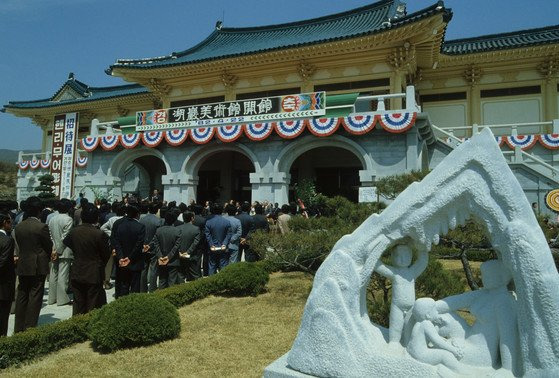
{"x": 136, "y": 245}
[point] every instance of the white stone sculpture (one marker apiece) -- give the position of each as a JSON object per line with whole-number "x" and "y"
{"x": 515, "y": 332}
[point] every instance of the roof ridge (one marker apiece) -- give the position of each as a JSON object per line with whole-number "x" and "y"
{"x": 504, "y": 34}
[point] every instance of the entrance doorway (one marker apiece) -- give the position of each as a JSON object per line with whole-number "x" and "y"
{"x": 224, "y": 176}
{"x": 142, "y": 176}
{"x": 334, "y": 170}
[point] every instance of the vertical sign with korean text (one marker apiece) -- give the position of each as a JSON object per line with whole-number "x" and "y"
{"x": 64, "y": 153}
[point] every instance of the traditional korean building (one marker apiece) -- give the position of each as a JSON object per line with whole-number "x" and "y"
{"x": 343, "y": 99}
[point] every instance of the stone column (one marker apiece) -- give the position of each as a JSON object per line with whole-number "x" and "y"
{"x": 272, "y": 187}
{"x": 179, "y": 187}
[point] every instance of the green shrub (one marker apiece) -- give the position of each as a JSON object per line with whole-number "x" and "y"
{"x": 242, "y": 279}
{"x": 183, "y": 294}
{"x": 39, "y": 341}
{"x": 134, "y": 320}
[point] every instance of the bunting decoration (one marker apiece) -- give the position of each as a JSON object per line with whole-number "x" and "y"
{"x": 324, "y": 126}
{"x": 34, "y": 164}
{"x": 229, "y": 133}
{"x": 109, "y": 142}
{"x": 359, "y": 124}
{"x": 522, "y": 141}
{"x": 202, "y": 135}
{"x": 90, "y": 143}
{"x": 499, "y": 140}
{"x": 45, "y": 163}
{"x": 81, "y": 161}
{"x": 549, "y": 141}
{"x": 23, "y": 165}
{"x": 258, "y": 131}
{"x": 176, "y": 137}
{"x": 129, "y": 140}
{"x": 397, "y": 122}
{"x": 290, "y": 129}
{"x": 152, "y": 138}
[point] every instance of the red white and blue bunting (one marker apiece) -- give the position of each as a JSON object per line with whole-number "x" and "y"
{"x": 90, "y": 143}
{"x": 81, "y": 161}
{"x": 130, "y": 140}
{"x": 359, "y": 124}
{"x": 109, "y": 142}
{"x": 152, "y": 138}
{"x": 34, "y": 164}
{"x": 258, "y": 131}
{"x": 500, "y": 140}
{"x": 549, "y": 141}
{"x": 229, "y": 133}
{"x": 397, "y": 122}
{"x": 290, "y": 129}
{"x": 522, "y": 141}
{"x": 324, "y": 126}
{"x": 176, "y": 137}
{"x": 202, "y": 135}
{"x": 45, "y": 163}
{"x": 23, "y": 165}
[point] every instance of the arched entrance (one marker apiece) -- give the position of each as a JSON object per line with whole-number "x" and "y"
{"x": 224, "y": 176}
{"x": 334, "y": 170}
{"x": 140, "y": 171}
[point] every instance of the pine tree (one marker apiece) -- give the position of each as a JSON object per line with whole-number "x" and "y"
{"x": 45, "y": 189}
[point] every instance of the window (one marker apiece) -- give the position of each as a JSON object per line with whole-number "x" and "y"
{"x": 515, "y": 91}
{"x": 442, "y": 97}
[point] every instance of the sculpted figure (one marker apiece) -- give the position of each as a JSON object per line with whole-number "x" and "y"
{"x": 403, "y": 278}
{"x": 493, "y": 339}
{"x": 424, "y": 333}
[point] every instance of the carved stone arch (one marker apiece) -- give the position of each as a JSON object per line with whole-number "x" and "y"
{"x": 193, "y": 161}
{"x": 295, "y": 149}
{"x": 127, "y": 156}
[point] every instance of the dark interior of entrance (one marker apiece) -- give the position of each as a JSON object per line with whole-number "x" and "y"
{"x": 225, "y": 176}
{"x": 143, "y": 175}
{"x": 334, "y": 170}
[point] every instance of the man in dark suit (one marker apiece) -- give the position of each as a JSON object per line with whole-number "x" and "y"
{"x": 189, "y": 254}
{"x": 149, "y": 274}
{"x": 166, "y": 248}
{"x": 127, "y": 238}
{"x": 247, "y": 225}
{"x": 91, "y": 251}
{"x": 218, "y": 234}
{"x": 260, "y": 222}
{"x": 203, "y": 248}
{"x": 35, "y": 248}
{"x": 7, "y": 272}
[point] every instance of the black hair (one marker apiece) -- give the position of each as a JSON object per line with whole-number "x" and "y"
{"x": 285, "y": 209}
{"x": 34, "y": 206}
{"x": 217, "y": 209}
{"x": 170, "y": 217}
{"x": 245, "y": 207}
{"x": 258, "y": 209}
{"x": 83, "y": 201}
{"x": 90, "y": 214}
{"x": 64, "y": 206}
{"x": 120, "y": 210}
{"x": 187, "y": 216}
{"x": 4, "y": 218}
{"x": 198, "y": 209}
{"x": 182, "y": 207}
{"x": 132, "y": 212}
{"x": 231, "y": 209}
{"x": 153, "y": 208}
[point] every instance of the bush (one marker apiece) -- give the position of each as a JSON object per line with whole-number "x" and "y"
{"x": 39, "y": 341}
{"x": 242, "y": 279}
{"x": 134, "y": 320}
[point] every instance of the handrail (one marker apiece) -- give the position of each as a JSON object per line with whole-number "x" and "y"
{"x": 40, "y": 155}
{"x": 474, "y": 128}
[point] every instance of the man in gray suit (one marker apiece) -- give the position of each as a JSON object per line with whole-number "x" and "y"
{"x": 166, "y": 248}
{"x": 35, "y": 247}
{"x": 60, "y": 226}
{"x": 189, "y": 253}
{"x": 149, "y": 274}
{"x": 236, "y": 230}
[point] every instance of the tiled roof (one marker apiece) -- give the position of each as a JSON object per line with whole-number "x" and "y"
{"x": 511, "y": 40}
{"x": 229, "y": 42}
{"x": 85, "y": 92}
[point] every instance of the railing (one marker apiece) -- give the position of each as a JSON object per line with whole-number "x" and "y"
{"x": 409, "y": 96}
{"x": 521, "y": 128}
{"x": 34, "y": 156}
{"x": 516, "y": 157}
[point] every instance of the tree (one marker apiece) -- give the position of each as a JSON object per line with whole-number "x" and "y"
{"x": 390, "y": 186}
{"x": 45, "y": 189}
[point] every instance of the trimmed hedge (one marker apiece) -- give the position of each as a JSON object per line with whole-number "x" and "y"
{"x": 42, "y": 340}
{"x": 132, "y": 321}
{"x": 39, "y": 341}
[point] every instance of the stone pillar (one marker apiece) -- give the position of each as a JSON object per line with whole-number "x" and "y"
{"x": 412, "y": 152}
{"x": 396, "y": 87}
{"x": 179, "y": 187}
{"x": 270, "y": 187}
{"x": 550, "y": 99}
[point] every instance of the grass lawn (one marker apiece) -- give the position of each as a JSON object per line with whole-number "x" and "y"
{"x": 220, "y": 337}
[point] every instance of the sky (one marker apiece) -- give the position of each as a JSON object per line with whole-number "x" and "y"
{"x": 41, "y": 41}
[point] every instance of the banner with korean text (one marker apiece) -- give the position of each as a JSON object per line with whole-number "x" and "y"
{"x": 234, "y": 112}
{"x": 62, "y": 165}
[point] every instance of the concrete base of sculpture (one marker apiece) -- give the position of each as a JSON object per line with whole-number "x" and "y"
{"x": 280, "y": 369}
{"x": 516, "y": 332}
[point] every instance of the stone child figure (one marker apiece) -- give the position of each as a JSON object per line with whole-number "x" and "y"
{"x": 424, "y": 333}
{"x": 403, "y": 278}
